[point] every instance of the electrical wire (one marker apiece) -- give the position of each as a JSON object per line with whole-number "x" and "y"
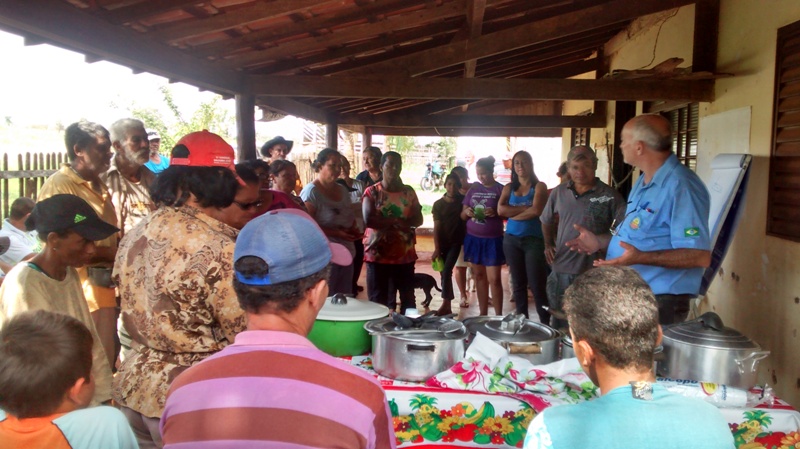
{"x": 655, "y": 45}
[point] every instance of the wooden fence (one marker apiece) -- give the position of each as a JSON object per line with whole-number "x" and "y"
{"x": 31, "y": 170}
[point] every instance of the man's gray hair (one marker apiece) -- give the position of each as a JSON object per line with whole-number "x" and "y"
{"x": 121, "y": 126}
{"x": 580, "y": 152}
{"x": 614, "y": 310}
{"x": 642, "y": 129}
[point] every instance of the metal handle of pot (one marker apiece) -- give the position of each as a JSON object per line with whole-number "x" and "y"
{"x": 533, "y": 348}
{"x": 430, "y": 348}
{"x": 750, "y": 361}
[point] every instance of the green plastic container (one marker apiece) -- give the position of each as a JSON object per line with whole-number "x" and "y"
{"x": 339, "y": 328}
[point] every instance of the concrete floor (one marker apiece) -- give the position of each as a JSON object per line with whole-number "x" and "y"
{"x": 424, "y": 250}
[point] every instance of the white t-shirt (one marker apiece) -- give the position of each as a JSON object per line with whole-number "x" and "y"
{"x": 21, "y": 243}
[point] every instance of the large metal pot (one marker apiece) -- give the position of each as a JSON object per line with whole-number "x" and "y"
{"x": 533, "y": 341}
{"x": 705, "y": 350}
{"x": 339, "y": 328}
{"x": 415, "y": 354}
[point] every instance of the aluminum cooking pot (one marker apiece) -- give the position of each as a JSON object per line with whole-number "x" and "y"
{"x": 528, "y": 339}
{"x": 418, "y": 353}
{"x": 705, "y": 350}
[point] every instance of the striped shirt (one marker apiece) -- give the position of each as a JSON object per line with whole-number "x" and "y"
{"x": 277, "y": 388}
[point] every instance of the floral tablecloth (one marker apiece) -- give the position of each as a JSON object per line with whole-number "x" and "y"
{"x": 429, "y": 416}
{"x": 764, "y": 427}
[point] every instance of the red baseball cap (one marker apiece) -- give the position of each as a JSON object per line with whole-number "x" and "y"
{"x": 206, "y": 149}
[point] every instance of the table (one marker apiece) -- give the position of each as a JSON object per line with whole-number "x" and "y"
{"x": 431, "y": 417}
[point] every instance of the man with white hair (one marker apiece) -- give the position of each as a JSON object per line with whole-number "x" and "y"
{"x": 127, "y": 178}
{"x": 664, "y": 233}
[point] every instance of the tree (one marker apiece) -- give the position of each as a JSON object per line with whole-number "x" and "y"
{"x": 209, "y": 115}
{"x": 444, "y": 150}
{"x": 402, "y": 144}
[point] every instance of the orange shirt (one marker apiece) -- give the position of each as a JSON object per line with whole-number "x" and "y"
{"x": 33, "y": 433}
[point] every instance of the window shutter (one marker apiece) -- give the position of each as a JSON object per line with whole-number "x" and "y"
{"x": 783, "y": 213}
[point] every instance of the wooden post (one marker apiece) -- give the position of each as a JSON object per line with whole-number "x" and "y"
{"x": 332, "y": 133}
{"x": 245, "y": 127}
{"x": 367, "y": 137}
{"x": 706, "y": 36}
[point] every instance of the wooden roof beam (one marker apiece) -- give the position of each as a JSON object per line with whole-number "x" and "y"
{"x": 384, "y": 41}
{"x": 82, "y": 32}
{"x": 258, "y": 37}
{"x": 706, "y": 36}
{"x": 138, "y": 11}
{"x": 235, "y": 18}
{"x": 346, "y": 35}
{"x": 475, "y": 12}
{"x": 287, "y": 106}
{"x": 499, "y": 89}
{"x": 616, "y": 11}
{"x": 473, "y": 132}
{"x": 474, "y": 121}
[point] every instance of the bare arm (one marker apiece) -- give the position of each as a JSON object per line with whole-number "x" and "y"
{"x": 535, "y": 209}
{"x": 467, "y": 213}
{"x": 549, "y": 232}
{"x": 667, "y": 258}
{"x": 503, "y": 208}
{"x": 436, "y": 251}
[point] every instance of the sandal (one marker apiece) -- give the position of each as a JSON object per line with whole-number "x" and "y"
{"x": 464, "y": 304}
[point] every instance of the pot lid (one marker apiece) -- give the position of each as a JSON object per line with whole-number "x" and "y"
{"x": 341, "y": 308}
{"x": 708, "y": 331}
{"x": 511, "y": 328}
{"x": 431, "y": 330}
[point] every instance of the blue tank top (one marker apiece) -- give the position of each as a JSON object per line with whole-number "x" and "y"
{"x": 523, "y": 228}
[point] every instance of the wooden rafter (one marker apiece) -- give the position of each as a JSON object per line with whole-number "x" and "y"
{"x": 138, "y": 11}
{"x": 474, "y": 121}
{"x": 82, "y": 32}
{"x": 531, "y": 33}
{"x": 308, "y": 26}
{"x": 236, "y": 18}
{"x": 455, "y": 132}
{"x": 500, "y": 89}
{"x": 351, "y": 34}
{"x": 475, "y": 11}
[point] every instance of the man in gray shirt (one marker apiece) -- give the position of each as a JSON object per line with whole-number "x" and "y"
{"x": 586, "y": 201}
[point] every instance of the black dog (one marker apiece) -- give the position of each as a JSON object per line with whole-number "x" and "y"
{"x": 421, "y": 280}
{"x": 426, "y": 282}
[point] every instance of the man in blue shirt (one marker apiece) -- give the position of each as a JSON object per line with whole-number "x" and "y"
{"x": 613, "y": 322}
{"x": 664, "y": 235}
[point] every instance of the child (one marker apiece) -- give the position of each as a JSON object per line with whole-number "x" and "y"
{"x": 45, "y": 381}
{"x": 448, "y": 236}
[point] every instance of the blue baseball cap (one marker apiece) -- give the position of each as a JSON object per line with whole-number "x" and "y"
{"x": 291, "y": 243}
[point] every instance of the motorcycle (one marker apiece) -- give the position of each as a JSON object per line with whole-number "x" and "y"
{"x": 433, "y": 178}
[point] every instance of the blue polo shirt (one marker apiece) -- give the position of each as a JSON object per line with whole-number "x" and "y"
{"x": 670, "y": 212}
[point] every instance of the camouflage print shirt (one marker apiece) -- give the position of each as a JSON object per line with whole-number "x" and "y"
{"x": 174, "y": 271}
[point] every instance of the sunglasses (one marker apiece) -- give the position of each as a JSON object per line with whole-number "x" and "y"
{"x": 248, "y": 206}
